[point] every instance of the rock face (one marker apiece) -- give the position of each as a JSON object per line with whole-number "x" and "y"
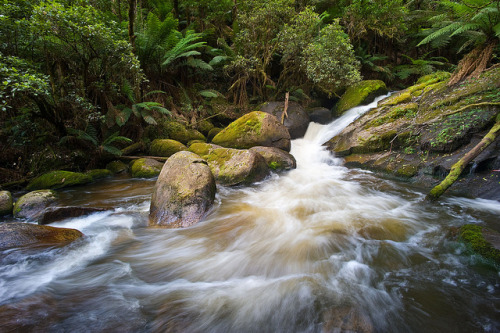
{"x": 420, "y": 132}
{"x": 184, "y": 192}
{"x": 320, "y": 115}
{"x": 276, "y": 159}
{"x": 361, "y": 93}
{"x": 165, "y": 147}
{"x": 254, "y": 129}
{"x": 31, "y": 205}
{"x": 297, "y": 120}
{"x": 145, "y": 168}
{"x": 13, "y": 235}
{"x": 58, "y": 179}
{"x": 6, "y": 204}
{"x": 175, "y": 131}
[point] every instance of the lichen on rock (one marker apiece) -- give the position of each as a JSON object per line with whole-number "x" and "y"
{"x": 32, "y": 204}
{"x": 145, "y": 168}
{"x": 165, "y": 147}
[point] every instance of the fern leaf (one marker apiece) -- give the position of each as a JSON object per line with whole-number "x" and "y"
{"x": 464, "y": 28}
{"x": 198, "y": 63}
{"x": 447, "y": 30}
{"x": 208, "y": 93}
{"x": 123, "y": 116}
{"x": 496, "y": 29}
{"x": 188, "y": 54}
{"x": 218, "y": 60}
{"x": 112, "y": 150}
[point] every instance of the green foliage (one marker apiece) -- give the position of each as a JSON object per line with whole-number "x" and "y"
{"x": 418, "y": 67}
{"x": 143, "y": 110}
{"x": 185, "y": 49}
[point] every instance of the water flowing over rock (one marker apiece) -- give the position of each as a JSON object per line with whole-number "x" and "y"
{"x": 254, "y": 129}
{"x": 361, "y": 93}
{"x": 276, "y": 159}
{"x": 54, "y": 214}
{"x": 184, "y": 192}
{"x": 6, "y": 204}
{"x": 320, "y": 115}
{"x": 31, "y": 205}
{"x": 17, "y": 234}
{"x": 296, "y": 120}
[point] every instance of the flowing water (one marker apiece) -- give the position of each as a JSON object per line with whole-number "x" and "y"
{"x": 318, "y": 249}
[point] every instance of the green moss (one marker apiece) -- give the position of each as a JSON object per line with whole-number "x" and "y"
{"x": 472, "y": 235}
{"x": 376, "y": 142}
{"x": 213, "y": 132}
{"x": 173, "y": 130}
{"x": 360, "y": 93}
{"x": 145, "y": 168}
{"x": 116, "y": 167}
{"x": 406, "y": 110}
{"x": 58, "y": 179}
{"x": 249, "y": 124}
{"x": 407, "y": 170}
{"x": 6, "y": 203}
{"x": 166, "y": 147}
{"x": 99, "y": 173}
{"x": 274, "y": 165}
{"x": 33, "y": 199}
{"x": 437, "y": 76}
{"x": 402, "y": 97}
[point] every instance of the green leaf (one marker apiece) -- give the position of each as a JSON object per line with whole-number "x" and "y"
{"x": 208, "y": 93}
{"x": 199, "y": 64}
{"x": 123, "y": 116}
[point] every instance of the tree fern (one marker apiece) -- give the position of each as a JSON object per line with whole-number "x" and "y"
{"x": 183, "y": 48}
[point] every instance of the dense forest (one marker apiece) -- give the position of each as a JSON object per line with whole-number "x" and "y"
{"x": 82, "y": 79}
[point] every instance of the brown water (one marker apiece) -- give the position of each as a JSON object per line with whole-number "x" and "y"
{"x": 320, "y": 248}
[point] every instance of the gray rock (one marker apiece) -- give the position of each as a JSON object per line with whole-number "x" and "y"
{"x": 276, "y": 159}
{"x": 297, "y": 120}
{"x": 184, "y": 192}
{"x": 31, "y": 205}
{"x": 6, "y": 204}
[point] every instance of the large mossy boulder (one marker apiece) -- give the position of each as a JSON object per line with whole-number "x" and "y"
{"x": 296, "y": 119}
{"x": 6, "y": 203}
{"x": 361, "y": 93}
{"x": 15, "y": 235}
{"x": 117, "y": 167}
{"x": 165, "y": 147}
{"x": 183, "y": 193}
{"x": 58, "y": 179}
{"x": 175, "y": 131}
{"x": 145, "y": 168}
{"x": 234, "y": 166}
{"x": 97, "y": 174}
{"x": 276, "y": 159}
{"x": 256, "y": 128}
{"x": 481, "y": 240}
{"x": 31, "y": 205}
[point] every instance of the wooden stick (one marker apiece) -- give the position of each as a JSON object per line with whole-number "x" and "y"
{"x": 287, "y": 96}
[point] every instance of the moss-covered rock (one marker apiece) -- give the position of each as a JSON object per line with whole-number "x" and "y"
{"x": 58, "y": 179}
{"x": 204, "y": 126}
{"x": 254, "y": 129}
{"x": 175, "y": 131}
{"x": 296, "y": 121}
{"x": 276, "y": 159}
{"x": 165, "y": 147}
{"x": 213, "y": 132}
{"x": 482, "y": 240}
{"x": 32, "y": 204}
{"x": 99, "y": 173}
{"x": 14, "y": 235}
{"x": 363, "y": 92}
{"x": 145, "y": 168}
{"x": 117, "y": 167}
{"x": 183, "y": 193}
{"x": 234, "y": 166}
{"x": 6, "y": 203}
{"x": 203, "y": 149}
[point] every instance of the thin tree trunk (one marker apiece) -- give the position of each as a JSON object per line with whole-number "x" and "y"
{"x": 132, "y": 4}
{"x": 459, "y": 166}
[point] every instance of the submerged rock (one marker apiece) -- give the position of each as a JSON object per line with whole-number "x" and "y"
{"x": 254, "y": 129}
{"x": 482, "y": 240}
{"x": 6, "y": 203}
{"x": 58, "y": 179}
{"x": 145, "y": 168}
{"x": 346, "y": 319}
{"x": 296, "y": 120}
{"x": 13, "y": 235}
{"x": 165, "y": 147}
{"x": 54, "y": 214}
{"x": 276, "y": 159}
{"x": 31, "y": 205}
{"x": 360, "y": 93}
{"x": 183, "y": 193}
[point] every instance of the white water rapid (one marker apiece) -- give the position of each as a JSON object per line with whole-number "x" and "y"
{"x": 318, "y": 249}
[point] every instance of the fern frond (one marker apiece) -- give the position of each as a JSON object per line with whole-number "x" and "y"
{"x": 447, "y": 30}
{"x": 198, "y": 63}
{"x": 112, "y": 150}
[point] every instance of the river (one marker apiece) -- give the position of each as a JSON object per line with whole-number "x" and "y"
{"x": 321, "y": 248}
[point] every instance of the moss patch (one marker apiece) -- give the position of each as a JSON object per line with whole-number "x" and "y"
{"x": 406, "y": 110}
{"x": 58, "y": 179}
{"x": 116, "y": 166}
{"x": 99, "y": 173}
{"x": 145, "y": 168}
{"x": 473, "y": 236}
{"x": 360, "y": 93}
{"x": 166, "y": 147}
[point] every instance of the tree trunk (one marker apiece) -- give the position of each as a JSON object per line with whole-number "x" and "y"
{"x": 459, "y": 166}
{"x": 132, "y": 4}
{"x": 474, "y": 62}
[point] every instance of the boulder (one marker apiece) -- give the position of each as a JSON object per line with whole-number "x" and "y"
{"x": 165, "y": 147}
{"x": 99, "y": 173}
{"x": 14, "y": 235}
{"x": 58, "y": 179}
{"x": 54, "y": 214}
{"x": 297, "y": 120}
{"x": 276, "y": 159}
{"x": 320, "y": 115}
{"x": 482, "y": 240}
{"x": 117, "y": 167}
{"x": 204, "y": 126}
{"x": 254, "y": 129}
{"x": 361, "y": 93}
{"x": 213, "y": 132}
{"x": 31, "y": 205}
{"x": 6, "y": 204}
{"x": 175, "y": 131}
{"x": 145, "y": 168}
{"x": 183, "y": 193}
{"x": 234, "y": 167}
